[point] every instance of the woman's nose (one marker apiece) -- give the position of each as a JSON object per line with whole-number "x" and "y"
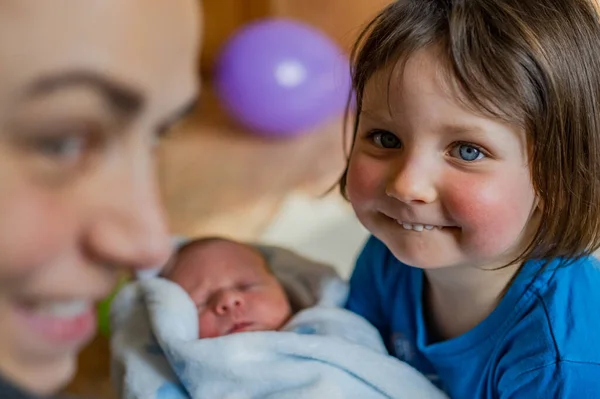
{"x": 130, "y": 230}
{"x": 228, "y": 301}
{"x": 412, "y": 182}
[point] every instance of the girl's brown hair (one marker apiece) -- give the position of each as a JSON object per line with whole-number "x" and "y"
{"x": 535, "y": 63}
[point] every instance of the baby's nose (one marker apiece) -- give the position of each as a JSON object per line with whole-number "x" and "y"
{"x": 228, "y": 302}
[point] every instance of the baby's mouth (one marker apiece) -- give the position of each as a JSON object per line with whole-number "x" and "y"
{"x": 240, "y": 327}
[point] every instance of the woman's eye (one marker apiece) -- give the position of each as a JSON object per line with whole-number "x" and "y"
{"x": 66, "y": 146}
{"x": 62, "y": 149}
{"x": 57, "y": 155}
{"x": 467, "y": 152}
{"x": 385, "y": 139}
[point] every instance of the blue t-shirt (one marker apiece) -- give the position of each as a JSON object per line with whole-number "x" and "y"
{"x": 541, "y": 341}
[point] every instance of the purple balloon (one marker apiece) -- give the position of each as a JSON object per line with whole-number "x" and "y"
{"x": 279, "y": 77}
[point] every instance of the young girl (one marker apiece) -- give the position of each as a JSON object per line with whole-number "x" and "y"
{"x": 476, "y": 166}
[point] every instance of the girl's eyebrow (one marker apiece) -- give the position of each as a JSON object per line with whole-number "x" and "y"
{"x": 458, "y": 129}
{"x": 375, "y": 114}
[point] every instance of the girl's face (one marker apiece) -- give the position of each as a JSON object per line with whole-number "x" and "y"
{"x": 438, "y": 184}
{"x": 86, "y": 87}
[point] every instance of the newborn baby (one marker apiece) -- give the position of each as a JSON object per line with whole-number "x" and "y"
{"x": 322, "y": 351}
{"x": 231, "y": 285}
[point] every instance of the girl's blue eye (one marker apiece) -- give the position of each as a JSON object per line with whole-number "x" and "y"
{"x": 385, "y": 139}
{"x": 467, "y": 152}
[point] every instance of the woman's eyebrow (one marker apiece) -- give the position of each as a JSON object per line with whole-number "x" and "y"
{"x": 124, "y": 100}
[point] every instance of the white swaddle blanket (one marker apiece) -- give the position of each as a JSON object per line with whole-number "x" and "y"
{"x": 323, "y": 352}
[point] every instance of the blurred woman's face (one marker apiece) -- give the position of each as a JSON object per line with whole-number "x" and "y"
{"x": 86, "y": 87}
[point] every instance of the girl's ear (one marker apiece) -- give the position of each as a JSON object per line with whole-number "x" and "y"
{"x": 538, "y": 205}
{"x": 536, "y": 210}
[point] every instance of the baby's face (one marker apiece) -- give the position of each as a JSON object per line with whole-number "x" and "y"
{"x": 232, "y": 288}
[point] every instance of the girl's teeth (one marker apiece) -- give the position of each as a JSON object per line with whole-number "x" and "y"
{"x": 64, "y": 309}
{"x": 416, "y": 227}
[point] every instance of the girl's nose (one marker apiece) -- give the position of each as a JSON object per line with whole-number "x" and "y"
{"x": 412, "y": 182}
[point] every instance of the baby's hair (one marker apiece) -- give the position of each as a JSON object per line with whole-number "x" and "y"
{"x": 531, "y": 63}
{"x": 202, "y": 241}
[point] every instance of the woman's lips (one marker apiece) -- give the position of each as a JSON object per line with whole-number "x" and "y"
{"x": 59, "y": 322}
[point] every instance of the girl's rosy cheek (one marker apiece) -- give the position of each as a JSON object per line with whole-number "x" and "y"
{"x": 365, "y": 177}
{"x": 491, "y": 212}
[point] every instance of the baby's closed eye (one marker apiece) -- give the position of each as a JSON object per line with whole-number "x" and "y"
{"x": 201, "y": 304}
{"x": 248, "y": 285}
{"x": 202, "y": 300}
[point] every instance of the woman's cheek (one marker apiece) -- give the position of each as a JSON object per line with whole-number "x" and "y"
{"x": 38, "y": 229}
